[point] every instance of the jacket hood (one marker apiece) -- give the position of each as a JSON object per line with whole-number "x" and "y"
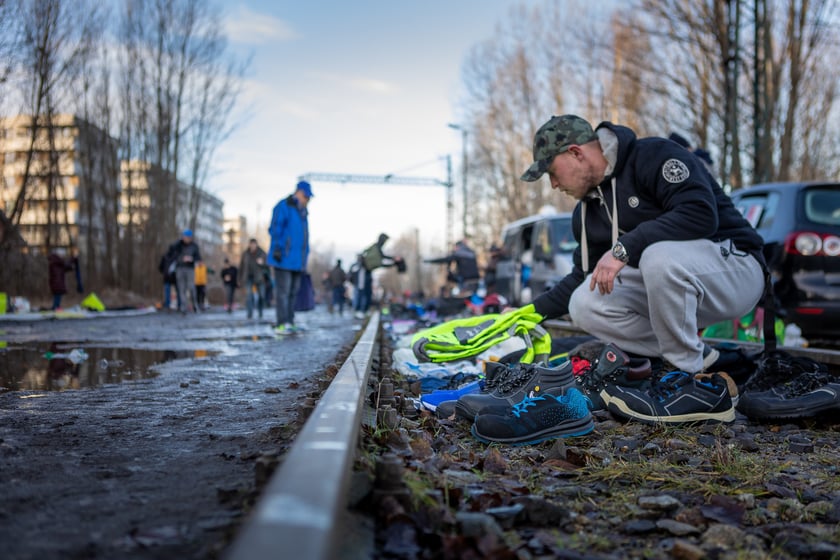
{"x": 626, "y": 139}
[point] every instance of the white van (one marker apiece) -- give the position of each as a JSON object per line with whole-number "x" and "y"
{"x": 537, "y": 253}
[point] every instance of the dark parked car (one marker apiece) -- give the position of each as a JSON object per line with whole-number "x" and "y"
{"x": 800, "y": 224}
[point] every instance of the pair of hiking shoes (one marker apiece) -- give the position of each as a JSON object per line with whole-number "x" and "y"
{"x": 785, "y": 387}
{"x": 527, "y": 403}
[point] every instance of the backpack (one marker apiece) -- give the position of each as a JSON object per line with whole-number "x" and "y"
{"x": 372, "y": 257}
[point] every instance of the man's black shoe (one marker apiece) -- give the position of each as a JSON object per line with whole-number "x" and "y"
{"x": 612, "y": 367}
{"x": 676, "y": 398}
{"x": 806, "y": 395}
{"x": 513, "y": 384}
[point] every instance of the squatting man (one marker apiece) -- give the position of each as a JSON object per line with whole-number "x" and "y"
{"x": 662, "y": 250}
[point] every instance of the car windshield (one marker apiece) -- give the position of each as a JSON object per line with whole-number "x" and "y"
{"x": 822, "y": 205}
{"x": 562, "y": 233}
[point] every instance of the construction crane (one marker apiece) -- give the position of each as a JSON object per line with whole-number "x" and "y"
{"x": 391, "y": 179}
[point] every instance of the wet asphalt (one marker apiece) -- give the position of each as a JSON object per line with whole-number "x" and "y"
{"x": 130, "y": 448}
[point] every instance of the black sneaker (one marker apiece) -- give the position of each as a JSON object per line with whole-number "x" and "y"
{"x": 806, "y": 395}
{"x": 675, "y": 398}
{"x": 612, "y": 367}
{"x": 512, "y": 384}
{"x": 537, "y": 417}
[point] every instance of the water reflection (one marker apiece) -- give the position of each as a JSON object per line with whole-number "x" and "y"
{"x": 57, "y": 367}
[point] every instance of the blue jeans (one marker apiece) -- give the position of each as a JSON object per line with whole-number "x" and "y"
{"x": 287, "y": 285}
{"x": 338, "y": 298}
{"x": 251, "y": 296}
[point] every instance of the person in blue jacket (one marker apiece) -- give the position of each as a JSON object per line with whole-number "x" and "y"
{"x": 289, "y": 252}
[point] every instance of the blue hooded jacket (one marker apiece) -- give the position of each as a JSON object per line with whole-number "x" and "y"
{"x": 289, "y": 232}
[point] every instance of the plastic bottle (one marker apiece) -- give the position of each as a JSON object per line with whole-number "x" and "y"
{"x": 793, "y": 336}
{"x": 77, "y": 356}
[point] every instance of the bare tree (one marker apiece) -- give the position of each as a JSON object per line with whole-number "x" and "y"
{"x": 543, "y": 61}
{"x": 706, "y": 47}
{"x": 178, "y": 89}
{"x": 56, "y": 37}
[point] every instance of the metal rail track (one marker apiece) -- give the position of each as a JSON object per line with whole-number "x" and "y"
{"x": 299, "y": 513}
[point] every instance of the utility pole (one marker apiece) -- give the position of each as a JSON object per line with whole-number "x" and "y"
{"x": 464, "y": 168}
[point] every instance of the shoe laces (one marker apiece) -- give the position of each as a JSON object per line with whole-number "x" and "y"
{"x": 522, "y": 406}
{"x": 780, "y": 369}
{"x": 512, "y": 379}
{"x": 669, "y": 385}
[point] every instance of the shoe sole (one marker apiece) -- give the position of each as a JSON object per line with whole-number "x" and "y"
{"x": 620, "y": 408}
{"x": 571, "y": 428}
{"x": 761, "y": 413}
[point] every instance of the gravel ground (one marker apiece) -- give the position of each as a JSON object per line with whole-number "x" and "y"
{"x": 124, "y": 462}
{"x": 742, "y": 490}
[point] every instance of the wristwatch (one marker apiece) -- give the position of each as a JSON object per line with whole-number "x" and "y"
{"x": 620, "y": 253}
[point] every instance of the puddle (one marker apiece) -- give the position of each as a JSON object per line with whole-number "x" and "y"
{"x": 58, "y": 367}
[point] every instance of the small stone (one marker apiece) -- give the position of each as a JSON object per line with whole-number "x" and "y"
{"x": 659, "y": 503}
{"x": 639, "y": 527}
{"x": 272, "y": 390}
{"x": 684, "y": 550}
{"x": 677, "y": 528}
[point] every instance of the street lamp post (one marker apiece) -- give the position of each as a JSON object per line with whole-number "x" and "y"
{"x": 463, "y": 175}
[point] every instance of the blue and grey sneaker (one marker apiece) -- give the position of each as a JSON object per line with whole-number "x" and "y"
{"x": 551, "y": 414}
{"x": 678, "y": 397}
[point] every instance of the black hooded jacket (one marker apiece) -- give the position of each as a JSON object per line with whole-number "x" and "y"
{"x": 663, "y": 193}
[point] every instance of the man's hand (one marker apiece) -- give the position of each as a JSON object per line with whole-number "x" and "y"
{"x": 605, "y": 273}
{"x": 278, "y": 255}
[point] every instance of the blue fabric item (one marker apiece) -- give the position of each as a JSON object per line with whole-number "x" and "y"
{"x": 431, "y": 400}
{"x": 289, "y": 232}
{"x": 187, "y": 233}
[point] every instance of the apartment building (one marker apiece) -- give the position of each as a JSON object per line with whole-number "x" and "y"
{"x": 72, "y": 175}
{"x": 136, "y": 199}
{"x": 235, "y": 237}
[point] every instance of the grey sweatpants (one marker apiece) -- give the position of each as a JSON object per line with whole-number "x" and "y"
{"x": 679, "y": 288}
{"x": 185, "y": 278}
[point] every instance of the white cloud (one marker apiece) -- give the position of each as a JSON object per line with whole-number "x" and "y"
{"x": 247, "y": 26}
{"x": 368, "y": 85}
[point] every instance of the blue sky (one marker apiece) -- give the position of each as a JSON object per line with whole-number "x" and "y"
{"x": 363, "y": 86}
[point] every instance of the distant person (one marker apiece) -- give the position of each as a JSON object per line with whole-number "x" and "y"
{"x": 230, "y": 279}
{"x": 462, "y": 266}
{"x": 166, "y": 267}
{"x": 59, "y": 265}
{"x": 362, "y": 280}
{"x": 681, "y": 140}
{"x": 706, "y": 158}
{"x": 337, "y": 278}
{"x": 252, "y": 267}
{"x": 493, "y": 257}
{"x": 370, "y": 259}
{"x": 289, "y": 252}
{"x": 201, "y": 284}
{"x": 187, "y": 255}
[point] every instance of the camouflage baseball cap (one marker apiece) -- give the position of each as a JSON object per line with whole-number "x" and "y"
{"x": 555, "y": 137}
